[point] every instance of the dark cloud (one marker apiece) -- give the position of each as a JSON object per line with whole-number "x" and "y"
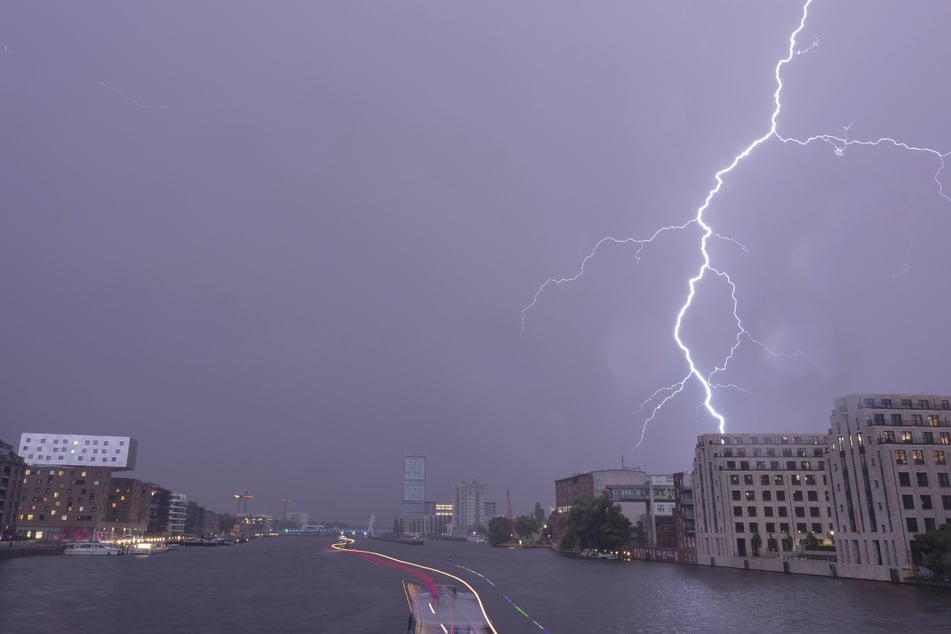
{"x": 282, "y": 243}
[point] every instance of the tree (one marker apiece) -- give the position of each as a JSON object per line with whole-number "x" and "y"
{"x": 595, "y": 523}
{"x": 525, "y": 526}
{"x": 757, "y": 542}
{"x": 500, "y": 531}
{"x": 933, "y": 549}
{"x": 811, "y": 541}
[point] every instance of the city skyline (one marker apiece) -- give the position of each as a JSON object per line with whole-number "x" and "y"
{"x": 281, "y": 245}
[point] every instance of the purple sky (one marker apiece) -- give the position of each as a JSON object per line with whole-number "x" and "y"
{"x": 280, "y": 243}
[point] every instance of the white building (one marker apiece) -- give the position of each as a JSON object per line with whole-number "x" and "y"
{"x": 63, "y": 450}
{"x": 774, "y": 486}
{"x": 468, "y": 507}
{"x": 177, "y": 511}
{"x": 890, "y": 476}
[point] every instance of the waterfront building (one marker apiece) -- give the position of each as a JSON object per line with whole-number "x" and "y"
{"x": 891, "y": 478}
{"x": 11, "y": 483}
{"x": 64, "y": 450}
{"x": 255, "y": 524}
{"x": 177, "y": 513}
{"x": 646, "y": 500}
{"x": 685, "y": 525}
{"x": 412, "y": 514}
{"x": 442, "y": 524}
{"x": 468, "y": 508}
{"x": 298, "y": 519}
{"x": 759, "y": 494}
{"x": 62, "y": 504}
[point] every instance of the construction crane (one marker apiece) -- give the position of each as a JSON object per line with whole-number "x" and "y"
{"x": 243, "y": 499}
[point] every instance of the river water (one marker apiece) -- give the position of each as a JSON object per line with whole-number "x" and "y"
{"x": 296, "y": 584}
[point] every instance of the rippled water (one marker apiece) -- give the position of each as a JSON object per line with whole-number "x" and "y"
{"x": 296, "y": 584}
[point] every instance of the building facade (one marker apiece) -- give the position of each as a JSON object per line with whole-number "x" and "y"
{"x": 758, "y": 493}
{"x": 11, "y": 483}
{"x": 891, "y": 477}
{"x": 64, "y": 450}
{"x": 177, "y": 513}
{"x": 685, "y": 524}
{"x": 468, "y": 507}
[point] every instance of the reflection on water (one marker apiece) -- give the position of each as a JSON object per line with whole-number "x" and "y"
{"x": 295, "y": 583}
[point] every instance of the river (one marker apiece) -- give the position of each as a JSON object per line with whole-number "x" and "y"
{"x": 296, "y": 584}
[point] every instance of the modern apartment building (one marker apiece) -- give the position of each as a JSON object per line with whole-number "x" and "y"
{"x": 177, "y": 512}
{"x": 413, "y": 510}
{"x": 66, "y": 483}
{"x": 685, "y": 518}
{"x": 753, "y": 492}
{"x": 64, "y": 450}
{"x": 11, "y": 482}
{"x": 468, "y": 507}
{"x": 890, "y": 478}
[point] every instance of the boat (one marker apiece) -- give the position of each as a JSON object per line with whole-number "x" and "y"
{"x": 91, "y": 548}
{"x": 147, "y": 548}
{"x": 443, "y": 608}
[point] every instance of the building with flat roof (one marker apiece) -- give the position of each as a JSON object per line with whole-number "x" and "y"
{"x": 11, "y": 483}
{"x": 891, "y": 478}
{"x": 468, "y": 507}
{"x": 755, "y": 493}
{"x": 78, "y": 450}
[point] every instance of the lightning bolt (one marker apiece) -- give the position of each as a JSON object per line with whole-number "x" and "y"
{"x": 135, "y": 102}
{"x": 839, "y": 143}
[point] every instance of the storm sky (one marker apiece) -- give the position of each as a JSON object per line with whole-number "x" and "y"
{"x": 281, "y": 243}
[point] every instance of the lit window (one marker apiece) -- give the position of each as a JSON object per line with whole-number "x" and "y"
{"x": 939, "y": 457}
{"x": 900, "y": 457}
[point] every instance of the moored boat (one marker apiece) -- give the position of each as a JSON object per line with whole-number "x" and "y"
{"x": 91, "y": 548}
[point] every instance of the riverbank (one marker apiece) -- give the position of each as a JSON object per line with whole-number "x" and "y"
{"x": 10, "y": 549}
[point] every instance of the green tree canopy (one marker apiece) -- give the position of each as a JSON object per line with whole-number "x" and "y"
{"x": 525, "y": 526}
{"x": 595, "y": 523}
{"x": 500, "y": 531}
{"x": 932, "y": 547}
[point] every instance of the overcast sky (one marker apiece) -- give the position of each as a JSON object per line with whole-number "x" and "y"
{"x": 281, "y": 243}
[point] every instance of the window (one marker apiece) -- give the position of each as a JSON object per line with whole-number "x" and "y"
{"x": 933, "y": 420}
{"x": 906, "y": 402}
{"x": 811, "y": 479}
{"x": 768, "y": 511}
{"x": 916, "y": 420}
{"x": 922, "y": 478}
{"x": 888, "y": 436}
{"x": 900, "y": 457}
{"x": 814, "y": 511}
{"x": 923, "y": 403}
{"x": 896, "y": 419}
{"x": 797, "y": 496}
{"x": 812, "y": 496}
{"x": 748, "y": 479}
{"x": 731, "y": 465}
{"x": 926, "y": 502}
{"x": 795, "y": 479}
{"x": 737, "y": 511}
{"x": 878, "y": 419}
{"x": 805, "y": 465}
{"x": 783, "y": 511}
{"x": 939, "y": 457}
{"x": 908, "y": 501}
{"x": 790, "y": 465}
{"x": 904, "y": 478}
{"x": 887, "y": 403}
{"x": 750, "y": 496}
{"x": 929, "y": 524}
{"x": 734, "y": 479}
{"x": 764, "y": 479}
{"x": 739, "y": 527}
{"x": 944, "y": 438}
{"x": 912, "y": 524}
{"x": 736, "y": 495}
{"x": 728, "y": 452}
{"x": 770, "y": 528}
{"x": 869, "y": 402}
{"x": 751, "y": 511}
{"x": 767, "y": 496}
{"x": 944, "y": 480}
{"x": 946, "y": 502}
{"x": 918, "y": 456}
{"x": 778, "y": 480}
{"x": 906, "y": 437}
{"x": 784, "y": 528}
{"x": 800, "y": 511}
{"x": 787, "y": 452}
{"x": 780, "y": 496}
{"x": 770, "y": 452}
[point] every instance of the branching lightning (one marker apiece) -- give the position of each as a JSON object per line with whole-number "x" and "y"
{"x": 661, "y": 396}
{"x": 135, "y": 102}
